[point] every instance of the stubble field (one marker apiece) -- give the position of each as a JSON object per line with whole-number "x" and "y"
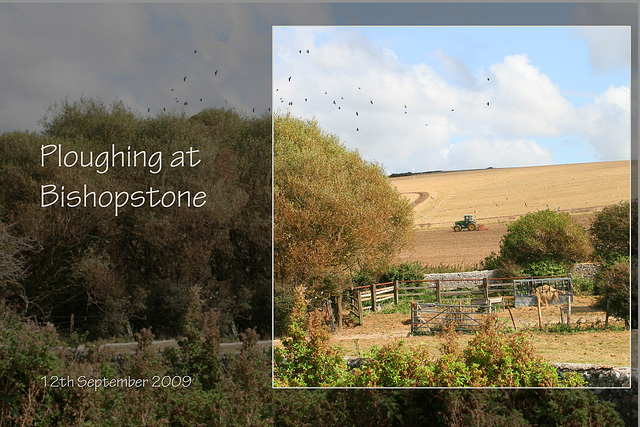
{"x": 496, "y": 197}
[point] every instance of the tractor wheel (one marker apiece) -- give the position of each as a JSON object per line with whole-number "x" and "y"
{"x": 471, "y": 226}
{"x": 457, "y": 228}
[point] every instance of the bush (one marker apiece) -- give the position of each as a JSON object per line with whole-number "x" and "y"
{"x": 612, "y": 286}
{"x": 611, "y": 229}
{"x": 545, "y": 268}
{"x": 411, "y": 270}
{"x": 583, "y": 286}
{"x": 307, "y": 359}
{"x": 543, "y": 237}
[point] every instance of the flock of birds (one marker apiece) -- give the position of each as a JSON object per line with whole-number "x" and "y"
{"x": 337, "y": 102}
{"x": 186, "y": 102}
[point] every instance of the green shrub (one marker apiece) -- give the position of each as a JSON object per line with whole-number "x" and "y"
{"x": 26, "y": 356}
{"x": 405, "y": 271}
{"x": 307, "y": 359}
{"x": 542, "y": 236}
{"x": 394, "y": 365}
{"x": 583, "y": 286}
{"x": 545, "y": 268}
{"x": 611, "y": 229}
{"x": 612, "y": 285}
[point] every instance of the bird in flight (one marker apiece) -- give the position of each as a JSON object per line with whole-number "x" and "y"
{"x": 184, "y": 79}
{"x": 289, "y": 78}
{"x": 487, "y": 104}
{"x": 215, "y": 73}
{"x": 371, "y": 102}
{"x": 195, "y": 51}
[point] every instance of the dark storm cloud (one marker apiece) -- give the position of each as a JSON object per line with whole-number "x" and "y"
{"x": 138, "y": 53}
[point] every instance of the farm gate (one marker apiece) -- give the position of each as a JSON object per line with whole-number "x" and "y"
{"x": 431, "y": 318}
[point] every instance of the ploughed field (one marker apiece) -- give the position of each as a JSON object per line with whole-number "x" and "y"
{"x": 496, "y": 197}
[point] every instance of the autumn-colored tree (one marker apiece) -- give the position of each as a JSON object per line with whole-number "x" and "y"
{"x": 334, "y": 213}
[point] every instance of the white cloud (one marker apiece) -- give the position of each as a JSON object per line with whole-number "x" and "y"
{"x": 609, "y": 47}
{"x": 606, "y": 123}
{"x": 527, "y": 102}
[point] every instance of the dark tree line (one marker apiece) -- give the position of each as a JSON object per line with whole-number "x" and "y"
{"x": 118, "y": 274}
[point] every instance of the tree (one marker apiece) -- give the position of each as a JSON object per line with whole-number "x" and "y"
{"x": 12, "y": 271}
{"x": 542, "y": 236}
{"x": 334, "y": 213}
{"x": 611, "y": 230}
{"x": 118, "y": 274}
{"x": 612, "y": 285}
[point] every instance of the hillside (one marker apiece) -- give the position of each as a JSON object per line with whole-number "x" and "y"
{"x": 497, "y": 196}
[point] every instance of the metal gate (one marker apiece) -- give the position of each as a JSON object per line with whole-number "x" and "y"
{"x": 430, "y": 318}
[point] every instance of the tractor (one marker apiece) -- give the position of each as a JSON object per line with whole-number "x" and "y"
{"x": 468, "y": 222}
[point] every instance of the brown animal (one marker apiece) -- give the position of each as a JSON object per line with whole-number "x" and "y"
{"x": 546, "y": 294}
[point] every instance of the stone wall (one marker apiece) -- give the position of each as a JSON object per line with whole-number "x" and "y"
{"x": 598, "y": 375}
{"x": 587, "y": 270}
{"x": 467, "y": 279}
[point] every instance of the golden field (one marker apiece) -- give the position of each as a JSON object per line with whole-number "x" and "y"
{"x": 497, "y": 196}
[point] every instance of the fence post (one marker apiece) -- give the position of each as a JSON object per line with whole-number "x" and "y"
{"x": 413, "y": 316}
{"x": 359, "y": 298}
{"x": 395, "y": 292}
{"x": 71, "y": 324}
{"x": 339, "y": 303}
{"x": 485, "y": 287}
{"x": 438, "y": 290}
{"x": 373, "y": 298}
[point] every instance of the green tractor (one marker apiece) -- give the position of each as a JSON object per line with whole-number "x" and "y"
{"x": 468, "y": 222}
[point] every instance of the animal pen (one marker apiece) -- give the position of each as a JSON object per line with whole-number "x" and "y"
{"x": 459, "y": 303}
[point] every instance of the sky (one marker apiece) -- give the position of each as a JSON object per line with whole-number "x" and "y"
{"x": 140, "y": 53}
{"x": 420, "y": 98}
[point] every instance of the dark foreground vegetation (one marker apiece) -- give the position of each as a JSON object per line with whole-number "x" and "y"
{"x": 194, "y": 386}
{"x": 110, "y": 276}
